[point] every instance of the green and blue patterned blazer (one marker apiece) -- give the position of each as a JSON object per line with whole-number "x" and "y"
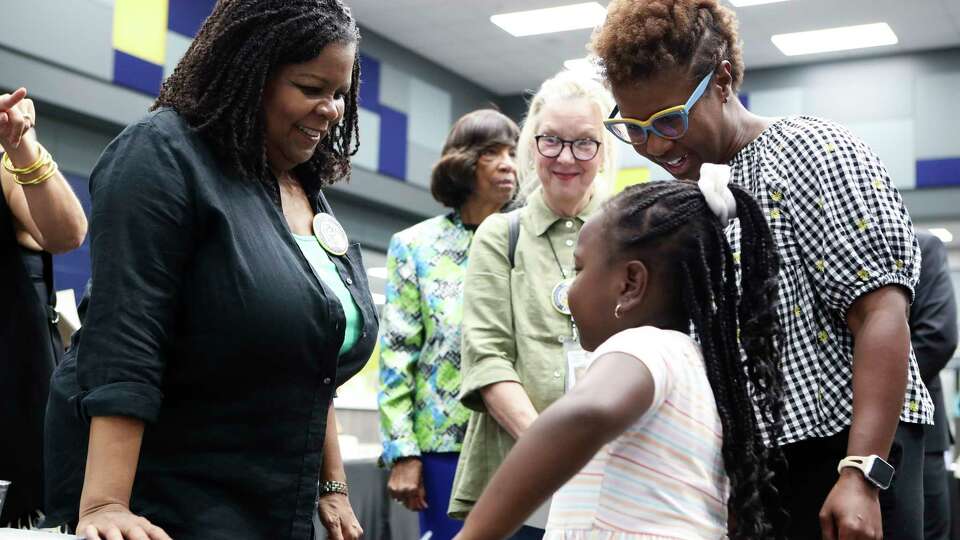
{"x": 420, "y": 340}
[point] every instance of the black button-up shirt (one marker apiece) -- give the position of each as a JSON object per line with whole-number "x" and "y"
{"x": 206, "y": 321}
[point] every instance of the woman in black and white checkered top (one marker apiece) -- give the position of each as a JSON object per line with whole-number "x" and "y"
{"x": 853, "y": 397}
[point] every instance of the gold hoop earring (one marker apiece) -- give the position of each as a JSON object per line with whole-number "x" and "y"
{"x": 616, "y": 311}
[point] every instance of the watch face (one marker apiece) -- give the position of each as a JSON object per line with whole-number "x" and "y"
{"x": 881, "y": 473}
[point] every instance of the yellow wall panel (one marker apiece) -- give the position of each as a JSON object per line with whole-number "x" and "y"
{"x": 140, "y": 29}
{"x": 630, "y": 176}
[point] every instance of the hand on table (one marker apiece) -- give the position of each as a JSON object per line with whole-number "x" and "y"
{"x": 117, "y": 522}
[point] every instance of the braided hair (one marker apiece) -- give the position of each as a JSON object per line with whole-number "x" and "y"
{"x": 670, "y": 225}
{"x": 218, "y": 85}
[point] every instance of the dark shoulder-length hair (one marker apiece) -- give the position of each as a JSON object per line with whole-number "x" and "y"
{"x": 453, "y": 177}
{"x": 218, "y": 85}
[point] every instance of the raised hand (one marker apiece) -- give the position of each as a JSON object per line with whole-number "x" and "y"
{"x": 17, "y": 118}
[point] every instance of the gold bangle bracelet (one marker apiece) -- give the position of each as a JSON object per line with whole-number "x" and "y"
{"x": 20, "y": 177}
{"x": 38, "y": 164}
{"x": 40, "y": 179}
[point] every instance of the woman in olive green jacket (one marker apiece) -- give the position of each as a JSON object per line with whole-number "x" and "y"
{"x": 515, "y": 318}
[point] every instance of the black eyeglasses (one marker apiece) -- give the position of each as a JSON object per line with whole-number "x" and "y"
{"x": 582, "y": 149}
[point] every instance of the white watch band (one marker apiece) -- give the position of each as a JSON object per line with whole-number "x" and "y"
{"x": 874, "y": 468}
{"x": 857, "y": 462}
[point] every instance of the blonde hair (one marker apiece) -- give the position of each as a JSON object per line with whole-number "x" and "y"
{"x": 566, "y": 85}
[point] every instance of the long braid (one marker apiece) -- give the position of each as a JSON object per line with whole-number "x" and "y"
{"x": 218, "y": 85}
{"x": 672, "y": 224}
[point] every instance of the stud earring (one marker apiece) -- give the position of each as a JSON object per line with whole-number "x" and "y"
{"x": 616, "y": 311}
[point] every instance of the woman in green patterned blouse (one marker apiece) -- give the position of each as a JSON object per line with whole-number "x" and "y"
{"x": 516, "y": 326}
{"x": 422, "y": 422}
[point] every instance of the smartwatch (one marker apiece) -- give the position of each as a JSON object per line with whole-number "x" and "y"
{"x": 877, "y": 471}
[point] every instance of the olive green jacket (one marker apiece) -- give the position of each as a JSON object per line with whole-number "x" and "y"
{"x": 511, "y": 331}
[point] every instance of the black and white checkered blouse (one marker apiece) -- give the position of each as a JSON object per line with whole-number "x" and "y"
{"x": 842, "y": 231}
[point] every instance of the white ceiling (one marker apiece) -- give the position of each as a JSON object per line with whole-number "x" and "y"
{"x": 458, "y": 34}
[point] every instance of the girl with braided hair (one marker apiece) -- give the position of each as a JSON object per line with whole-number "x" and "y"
{"x": 227, "y": 303}
{"x": 660, "y": 434}
{"x": 854, "y": 402}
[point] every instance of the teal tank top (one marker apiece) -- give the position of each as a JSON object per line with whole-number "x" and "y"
{"x": 324, "y": 267}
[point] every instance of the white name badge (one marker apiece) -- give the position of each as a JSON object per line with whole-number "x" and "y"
{"x": 577, "y": 362}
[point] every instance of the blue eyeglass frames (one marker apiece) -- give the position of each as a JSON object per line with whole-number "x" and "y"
{"x": 669, "y": 123}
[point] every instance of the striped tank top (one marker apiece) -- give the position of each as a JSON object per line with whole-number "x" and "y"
{"x": 664, "y": 476}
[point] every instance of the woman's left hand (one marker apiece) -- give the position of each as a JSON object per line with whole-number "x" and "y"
{"x": 17, "y": 118}
{"x": 338, "y": 518}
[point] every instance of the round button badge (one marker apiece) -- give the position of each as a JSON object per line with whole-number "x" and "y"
{"x": 330, "y": 234}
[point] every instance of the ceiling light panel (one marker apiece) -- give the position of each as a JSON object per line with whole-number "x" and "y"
{"x": 843, "y": 38}
{"x": 747, "y": 3}
{"x": 549, "y": 20}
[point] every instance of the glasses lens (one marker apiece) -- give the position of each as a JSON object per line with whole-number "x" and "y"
{"x": 629, "y": 133}
{"x": 620, "y": 131}
{"x": 549, "y": 146}
{"x": 585, "y": 149}
{"x": 670, "y": 126}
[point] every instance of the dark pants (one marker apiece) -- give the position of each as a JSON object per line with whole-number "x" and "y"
{"x": 812, "y": 472}
{"x": 438, "y": 471}
{"x": 936, "y": 498}
{"x": 528, "y": 533}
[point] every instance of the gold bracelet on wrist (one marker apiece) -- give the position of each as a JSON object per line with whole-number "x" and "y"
{"x": 36, "y": 165}
{"x": 40, "y": 179}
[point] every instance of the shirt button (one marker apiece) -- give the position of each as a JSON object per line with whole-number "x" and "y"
{"x": 569, "y": 224}
{"x": 556, "y": 373}
{"x": 569, "y": 243}
{"x": 349, "y": 281}
{"x": 326, "y": 380}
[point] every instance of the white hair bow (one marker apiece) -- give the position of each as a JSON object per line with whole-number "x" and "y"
{"x": 713, "y": 184}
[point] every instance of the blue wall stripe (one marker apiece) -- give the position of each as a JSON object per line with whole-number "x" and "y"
{"x": 186, "y": 16}
{"x": 938, "y": 172}
{"x": 745, "y": 99}
{"x": 392, "y": 146}
{"x": 392, "y": 153}
{"x": 72, "y": 270}
{"x": 137, "y": 74}
{"x": 369, "y": 83}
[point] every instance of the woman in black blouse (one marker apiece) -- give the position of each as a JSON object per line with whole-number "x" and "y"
{"x": 212, "y": 345}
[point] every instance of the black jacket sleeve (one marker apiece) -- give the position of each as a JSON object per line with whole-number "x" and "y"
{"x": 141, "y": 236}
{"x": 933, "y": 316}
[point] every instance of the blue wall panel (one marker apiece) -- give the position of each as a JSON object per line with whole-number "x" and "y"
{"x": 938, "y": 172}
{"x": 369, "y": 83}
{"x": 186, "y": 16}
{"x": 72, "y": 270}
{"x": 392, "y": 146}
{"x": 393, "y": 143}
{"x": 136, "y": 74}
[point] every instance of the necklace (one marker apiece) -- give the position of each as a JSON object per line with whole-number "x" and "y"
{"x": 559, "y": 295}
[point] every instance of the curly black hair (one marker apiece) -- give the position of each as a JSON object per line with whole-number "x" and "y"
{"x": 670, "y": 225}
{"x": 218, "y": 85}
{"x": 641, "y": 38}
